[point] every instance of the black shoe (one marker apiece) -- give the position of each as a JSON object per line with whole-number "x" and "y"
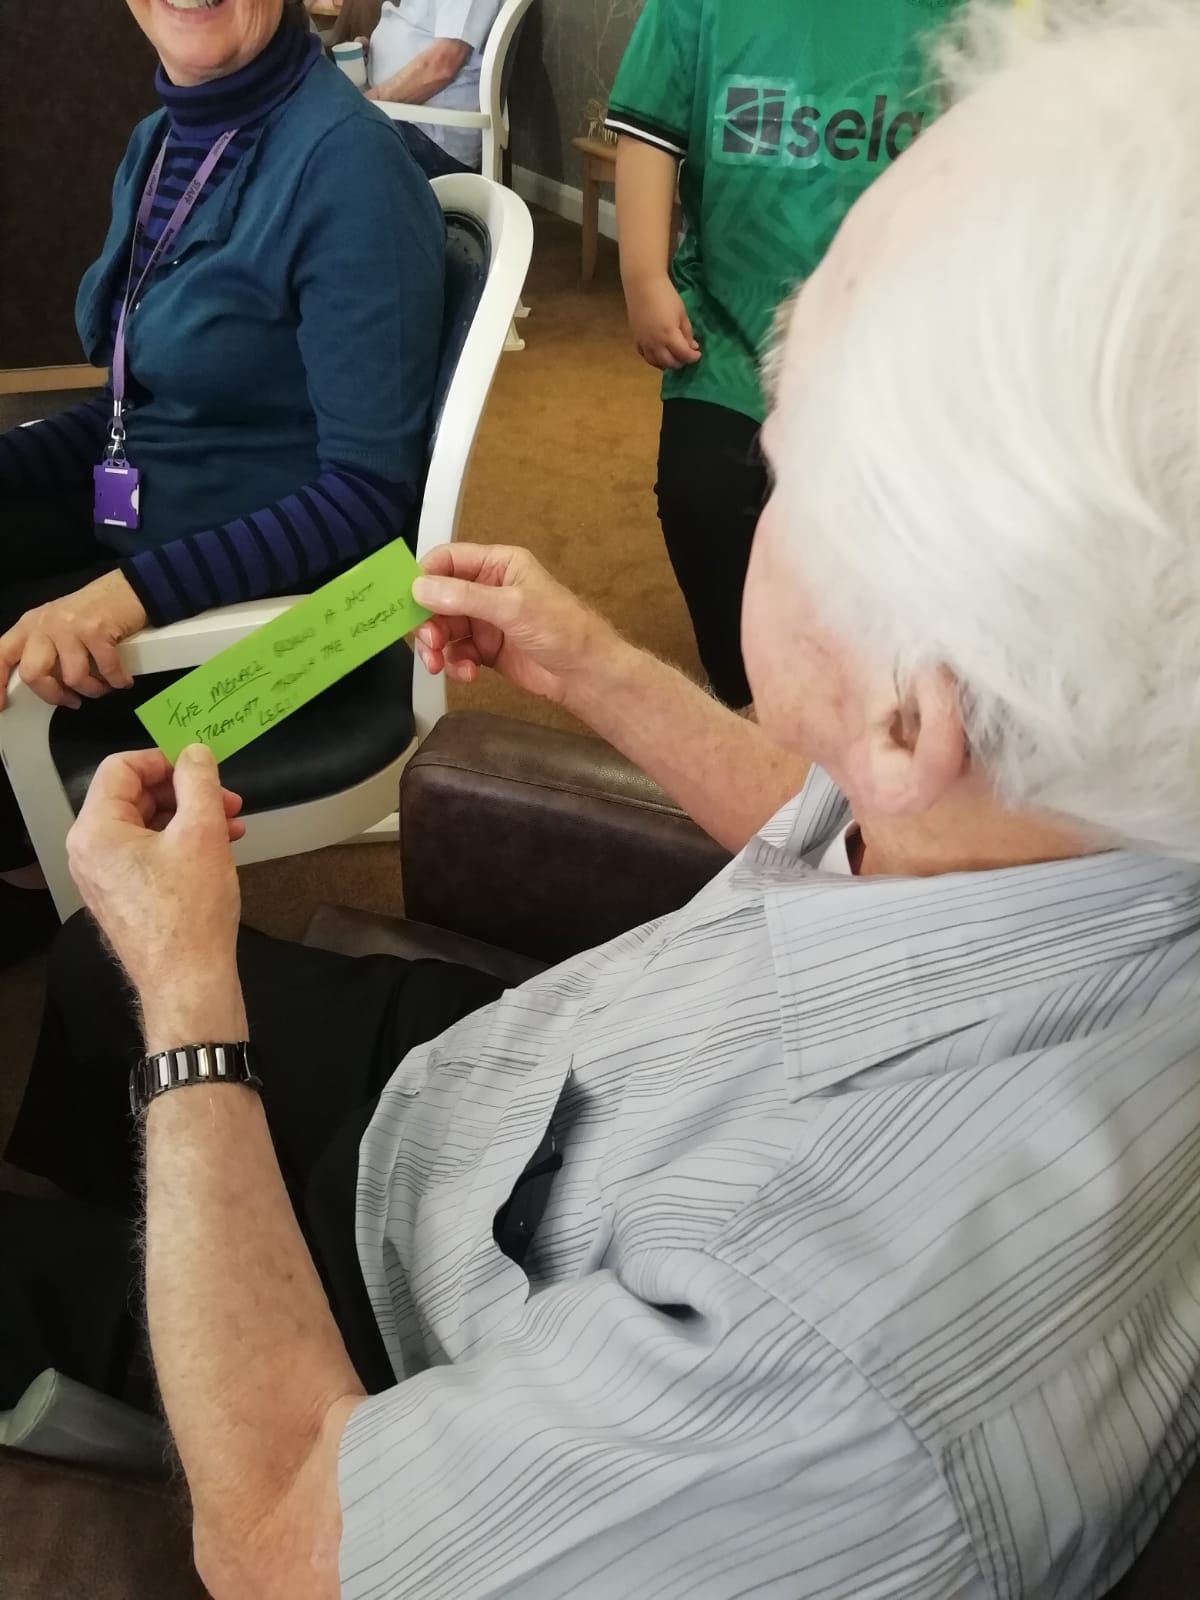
{"x": 28, "y": 922}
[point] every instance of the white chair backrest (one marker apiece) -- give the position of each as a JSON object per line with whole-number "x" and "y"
{"x": 505, "y": 219}
{"x": 493, "y": 82}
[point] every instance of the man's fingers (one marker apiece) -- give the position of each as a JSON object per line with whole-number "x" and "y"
{"x": 462, "y": 650}
{"x": 458, "y": 597}
{"x": 199, "y": 797}
{"x": 459, "y": 660}
{"x": 437, "y": 633}
{"x": 470, "y": 561}
{"x": 232, "y": 803}
{"x": 157, "y": 803}
{"x": 120, "y": 782}
{"x": 148, "y": 767}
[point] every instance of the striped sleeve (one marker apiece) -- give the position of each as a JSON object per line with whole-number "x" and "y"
{"x": 57, "y": 453}
{"x": 656, "y": 86}
{"x": 293, "y": 546}
{"x": 605, "y": 1445}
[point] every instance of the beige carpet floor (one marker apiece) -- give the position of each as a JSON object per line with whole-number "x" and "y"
{"x": 565, "y": 466}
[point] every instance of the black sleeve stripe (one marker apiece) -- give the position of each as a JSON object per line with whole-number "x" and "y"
{"x": 233, "y": 555}
{"x": 333, "y": 551}
{"x": 206, "y": 573}
{"x": 298, "y": 548}
{"x": 649, "y": 132}
{"x": 167, "y": 572}
{"x": 130, "y": 571}
{"x": 388, "y": 526}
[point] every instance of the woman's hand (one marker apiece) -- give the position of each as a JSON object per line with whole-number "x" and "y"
{"x": 495, "y": 606}
{"x": 68, "y": 648}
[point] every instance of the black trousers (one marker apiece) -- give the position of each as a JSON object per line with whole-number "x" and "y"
{"x": 48, "y": 548}
{"x": 712, "y": 485}
{"x": 433, "y": 161}
{"x": 329, "y": 1031}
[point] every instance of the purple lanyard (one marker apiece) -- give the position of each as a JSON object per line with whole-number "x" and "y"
{"x": 170, "y": 233}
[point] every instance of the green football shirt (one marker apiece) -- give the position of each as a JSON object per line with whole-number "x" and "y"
{"x": 783, "y": 112}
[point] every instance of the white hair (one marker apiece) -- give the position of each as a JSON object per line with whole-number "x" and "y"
{"x": 993, "y": 463}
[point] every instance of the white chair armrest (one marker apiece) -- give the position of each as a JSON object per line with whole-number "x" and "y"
{"x": 197, "y": 639}
{"x": 401, "y": 111}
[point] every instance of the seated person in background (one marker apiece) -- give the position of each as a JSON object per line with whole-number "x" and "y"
{"x": 872, "y": 1266}
{"x": 430, "y": 52}
{"x": 280, "y": 359}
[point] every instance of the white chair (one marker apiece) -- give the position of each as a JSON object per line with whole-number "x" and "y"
{"x": 490, "y": 233}
{"x": 499, "y": 56}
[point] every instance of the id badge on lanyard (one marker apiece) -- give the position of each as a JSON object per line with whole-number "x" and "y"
{"x": 118, "y": 483}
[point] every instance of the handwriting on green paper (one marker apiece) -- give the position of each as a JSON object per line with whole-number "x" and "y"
{"x": 234, "y": 698}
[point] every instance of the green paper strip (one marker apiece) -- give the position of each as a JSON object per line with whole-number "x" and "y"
{"x": 238, "y": 695}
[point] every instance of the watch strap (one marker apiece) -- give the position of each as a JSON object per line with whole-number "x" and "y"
{"x": 190, "y": 1064}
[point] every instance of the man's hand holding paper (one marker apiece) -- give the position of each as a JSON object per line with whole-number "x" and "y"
{"x": 498, "y": 607}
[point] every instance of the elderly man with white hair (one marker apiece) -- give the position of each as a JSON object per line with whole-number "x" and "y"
{"x": 868, "y": 1257}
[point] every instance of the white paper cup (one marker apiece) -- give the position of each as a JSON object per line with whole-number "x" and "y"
{"x": 351, "y": 60}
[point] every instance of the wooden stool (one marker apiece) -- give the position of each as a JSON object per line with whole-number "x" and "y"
{"x": 599, "y": 166}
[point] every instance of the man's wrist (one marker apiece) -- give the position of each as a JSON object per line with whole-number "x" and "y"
{"x": 611, "y": 666}
{"x": 212, "y": 1012}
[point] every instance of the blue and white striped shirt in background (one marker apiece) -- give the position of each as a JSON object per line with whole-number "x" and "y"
{"x": 873, "y": 1269}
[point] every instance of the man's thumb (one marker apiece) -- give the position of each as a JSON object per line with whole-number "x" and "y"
{"x": 456, "y": 597}
{"x": 198, "y": 784}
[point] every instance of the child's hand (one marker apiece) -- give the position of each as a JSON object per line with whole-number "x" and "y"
{"x": 661, "y": 328}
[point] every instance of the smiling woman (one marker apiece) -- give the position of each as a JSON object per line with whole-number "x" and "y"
{"x": 269, "y": 302}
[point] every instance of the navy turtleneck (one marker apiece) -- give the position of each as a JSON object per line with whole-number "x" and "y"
{"x": 200, "y": 113}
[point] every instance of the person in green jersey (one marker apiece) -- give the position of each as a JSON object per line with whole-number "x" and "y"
{"x": 782, "y": 112}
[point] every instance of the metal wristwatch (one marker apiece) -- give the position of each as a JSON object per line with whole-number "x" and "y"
{"x": 191, "y": 1063}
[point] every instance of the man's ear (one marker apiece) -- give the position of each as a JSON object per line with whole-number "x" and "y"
{"x": 913, "y": 748}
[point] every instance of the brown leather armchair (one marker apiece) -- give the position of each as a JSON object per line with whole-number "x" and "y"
{"x": 520, "y": 847}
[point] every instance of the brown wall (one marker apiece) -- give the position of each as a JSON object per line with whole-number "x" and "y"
{"x": 569, "y": 54}
{"x": 75, "y": 75}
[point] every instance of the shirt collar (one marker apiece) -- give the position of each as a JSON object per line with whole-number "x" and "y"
{"x": 870, "y": 968}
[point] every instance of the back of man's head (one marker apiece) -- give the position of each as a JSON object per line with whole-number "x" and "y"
{"x": 991, "y": 456}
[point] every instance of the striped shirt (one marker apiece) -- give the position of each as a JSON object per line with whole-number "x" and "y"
{"x": 342, "y": 516}
{"x": 873, "y": 1268}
